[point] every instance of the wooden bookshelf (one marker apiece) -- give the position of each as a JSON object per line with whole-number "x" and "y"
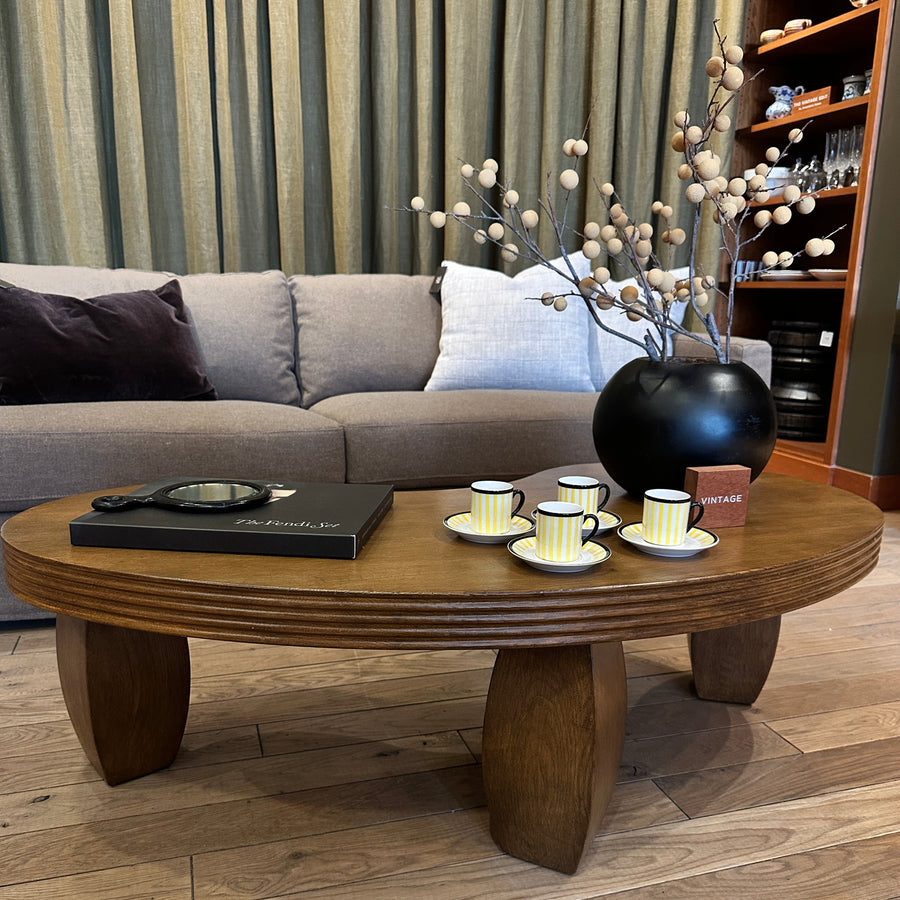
{"x": 841, "y": 41}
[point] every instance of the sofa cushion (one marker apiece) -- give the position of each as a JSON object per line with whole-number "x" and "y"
{"x": 66, "y": 448}
{"x": 608, "y": 352}
{"x": 245, "y": 325}
{"x": 495, "y": 332}
{"x": 364, "y": 333}
{"x": 81, "y": 281}
{"x": 751, "y": 351}
{"x": 137, "y": 345}
{"x": 449, "y": 438}
{"x": 243, "y": 321}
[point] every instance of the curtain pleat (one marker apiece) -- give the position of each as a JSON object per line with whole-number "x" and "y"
{"x": 469, "y": 66}
{"x": 129, "y": 161}
{"x": 287, "y": 120}
{"x": 194, "y": 143}
{"x": 425, "y": 159}
{"x": 208, "y": 135}
{"x": 342, "y": 76}
{"x": 51, "y": 148}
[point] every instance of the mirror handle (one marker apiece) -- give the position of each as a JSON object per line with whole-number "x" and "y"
{"x": 112, "y": 502}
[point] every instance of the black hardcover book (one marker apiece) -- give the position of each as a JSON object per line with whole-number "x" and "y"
{"x": 301, "y": 519}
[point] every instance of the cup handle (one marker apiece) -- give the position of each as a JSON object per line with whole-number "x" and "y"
{"x": 521, "y": 495}
{"x": 694, "y": 519}
{"x": 604, "y": 489}
{"x": 594, "y": 530}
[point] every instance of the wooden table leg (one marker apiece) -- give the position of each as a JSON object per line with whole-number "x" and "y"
{"x": 731, "y": 664}
{"x": 127, "y": 694}
{"x": 554, "y": 727}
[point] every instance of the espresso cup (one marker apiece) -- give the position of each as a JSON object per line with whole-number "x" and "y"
{"x": 582, "y": 490}
{"x": 492, "y": 506}
{"x": 668, "y": 516}
{"x": 558, "y": 527}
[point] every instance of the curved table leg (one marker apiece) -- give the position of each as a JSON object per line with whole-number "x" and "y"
{"x": 127, "y": 694}
{"x": 731, "y": 664}
{"x": 554, "y": 727}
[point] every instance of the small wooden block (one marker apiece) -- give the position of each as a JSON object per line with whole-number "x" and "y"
{"x": 723, "y": 492}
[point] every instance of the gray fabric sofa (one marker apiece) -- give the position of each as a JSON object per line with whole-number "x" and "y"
{"x": 319, "y": 378}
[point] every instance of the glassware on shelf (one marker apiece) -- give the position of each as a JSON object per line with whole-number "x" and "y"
{"x": 797, "y": 175}
{"x": 856, "y": 147}
{"x": 816, "y": 179}
{"x": 829, "y": 161}
{"x": 845, "y": 143}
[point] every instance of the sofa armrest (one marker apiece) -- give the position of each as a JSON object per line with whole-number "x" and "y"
{"x": 755, "y": 353}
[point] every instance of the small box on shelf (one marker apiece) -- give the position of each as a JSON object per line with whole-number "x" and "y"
{"x": 811, "y": 100}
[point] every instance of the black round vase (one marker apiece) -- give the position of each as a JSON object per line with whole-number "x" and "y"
{"x": 654, "y": 419}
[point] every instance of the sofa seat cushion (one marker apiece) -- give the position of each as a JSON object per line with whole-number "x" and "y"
{"x": 64, "y": 448}
{"x": 364, "y": 333}
{"x": 451, "y": 438}
{"x": 243, "y": 321}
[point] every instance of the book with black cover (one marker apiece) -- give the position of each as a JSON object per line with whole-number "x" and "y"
{"x": 301, "y": 519}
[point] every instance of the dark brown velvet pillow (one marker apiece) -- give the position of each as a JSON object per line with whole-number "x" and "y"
{"x": 134, "y": 346}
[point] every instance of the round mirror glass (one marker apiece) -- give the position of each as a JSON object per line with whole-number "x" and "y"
{"x": 211, "y": 491}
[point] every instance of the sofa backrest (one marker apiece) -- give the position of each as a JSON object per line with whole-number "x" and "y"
{"x": 358, "y": 333}
{"x": 244, "y": 321}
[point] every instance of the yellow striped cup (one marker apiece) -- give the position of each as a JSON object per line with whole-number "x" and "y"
{"x": 668, "y": 516}
{"x": 583, "y": 491}
{"x": 558, "y": 527}
{"x": 492, "y": 506}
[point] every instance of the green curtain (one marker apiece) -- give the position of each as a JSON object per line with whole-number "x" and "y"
{"x": 211, "y": 135}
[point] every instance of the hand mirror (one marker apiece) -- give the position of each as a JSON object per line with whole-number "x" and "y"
{"x": 191, "y": 496}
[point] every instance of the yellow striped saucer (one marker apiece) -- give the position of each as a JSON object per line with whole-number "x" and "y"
{"x": 591, "y": 554}
{"x": 696, "y": 540}
{"x": 608, "y": 521}
{"x": 461, "y": 523}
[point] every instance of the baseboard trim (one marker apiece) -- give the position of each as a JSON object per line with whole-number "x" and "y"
{"x": 882, "y": 490}
{"x": 783, "y": 463}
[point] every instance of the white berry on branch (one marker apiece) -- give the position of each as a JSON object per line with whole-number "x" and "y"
{"x": 568, "y": 179}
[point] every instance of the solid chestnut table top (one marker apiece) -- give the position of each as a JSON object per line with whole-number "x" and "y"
{"x": 416, "y": 585}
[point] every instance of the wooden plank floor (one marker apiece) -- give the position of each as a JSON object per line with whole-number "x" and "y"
{"x": 323, "y": 774}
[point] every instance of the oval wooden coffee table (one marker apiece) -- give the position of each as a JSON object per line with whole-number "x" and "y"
{"x": 555, "y": 713}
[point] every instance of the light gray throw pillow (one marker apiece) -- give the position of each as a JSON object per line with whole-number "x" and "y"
{"x": 495, "y": 332}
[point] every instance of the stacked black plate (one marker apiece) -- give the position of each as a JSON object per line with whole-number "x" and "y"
{"x": 802, "y": 372}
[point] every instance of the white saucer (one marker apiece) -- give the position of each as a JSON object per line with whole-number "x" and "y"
{"x": 460, "y": 523}
{"x": 829, "y": 274}
{"x": 697, "y": 539}
{"x": 785, "y": 274}
{"x": 590, "y": 555}
{"x": 608, "y": 521}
